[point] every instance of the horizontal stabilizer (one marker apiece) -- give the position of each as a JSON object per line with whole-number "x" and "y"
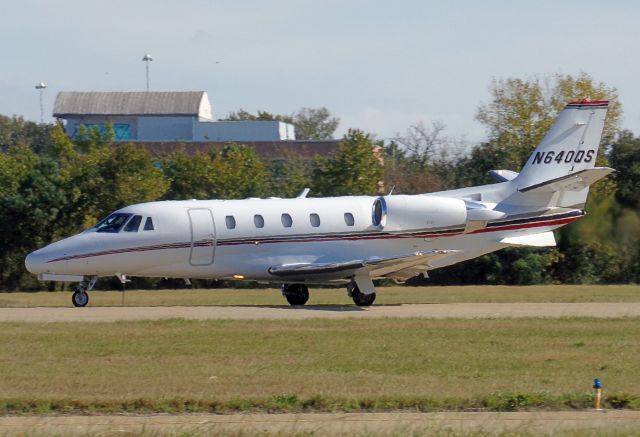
{"x": 503, "y": 175}
{"x": 375, "y": 267}
{"x": 544, "y": 239}
{"x": 572, "y": 182}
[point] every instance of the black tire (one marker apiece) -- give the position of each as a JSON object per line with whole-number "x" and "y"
{"x": 296, "y": 294}
{"x": 80, "y": 298}
{"x": 361, "y": 299}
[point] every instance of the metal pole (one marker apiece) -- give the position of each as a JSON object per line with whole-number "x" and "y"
{"x": 41, "y": 106}
{"x": 40, "y": 87}
{"x": 146, "y": 59}
{"x": 147, "y": 67}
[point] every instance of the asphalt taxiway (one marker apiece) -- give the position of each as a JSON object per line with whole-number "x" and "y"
{"x": 623, "y": 422}
{"x": 251, "y": 312}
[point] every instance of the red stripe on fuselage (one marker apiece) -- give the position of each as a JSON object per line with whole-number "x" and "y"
{"x": 589, "y": 102}
{"x": 315, "y": 240}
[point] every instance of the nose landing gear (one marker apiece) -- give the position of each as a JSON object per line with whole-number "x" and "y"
{"x": 80, "y": 297}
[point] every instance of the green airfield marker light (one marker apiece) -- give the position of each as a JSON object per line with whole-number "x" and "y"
{"x": 597, "y": 387}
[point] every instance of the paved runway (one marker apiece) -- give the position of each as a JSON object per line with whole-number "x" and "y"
{"x": 543, "y": 422}
{"x": 434, "y": 311}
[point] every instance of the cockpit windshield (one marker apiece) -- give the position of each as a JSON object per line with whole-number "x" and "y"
{"x": 112, "y": 223}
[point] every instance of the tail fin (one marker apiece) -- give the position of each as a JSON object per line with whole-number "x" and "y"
{"x": 570, "y": 147}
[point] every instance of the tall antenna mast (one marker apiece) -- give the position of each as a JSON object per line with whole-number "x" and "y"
{"x": 146, "y": 59}
{"x": 40, "y": 87}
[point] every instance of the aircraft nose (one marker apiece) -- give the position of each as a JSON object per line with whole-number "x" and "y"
{"x": 34, "y": 262}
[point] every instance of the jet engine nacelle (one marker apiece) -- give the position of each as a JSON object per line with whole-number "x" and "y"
{"x": 421, "y": 212}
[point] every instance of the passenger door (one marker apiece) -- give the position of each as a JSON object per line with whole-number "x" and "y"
{"x": 203, "y": 237}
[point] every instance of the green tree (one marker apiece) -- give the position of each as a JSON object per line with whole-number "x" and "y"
{"x": 592, "y": 249}
{"x": 17, "y": 131}
{"x": 15, "y": 164}
{"x": 287, "y": 178}
{"x": 190, "y": 177}
{"x": 569, "y": 88}
{"x": 625, "y": 158}
{"x": 315, "y": 124}
{"x": 516, "y": 118}
{"x": 408, "y": 173}
{"x": 243, "y": 115}
{"x": 473, "y": 169}
{"x": 109, "y": 178}
{"x": 87, "y": 139}
{"x": 33, "y": 200}
{"x": 521, "y": 112}
{"x": 354, "y": 168}
{"x": 69, "y": 186}
{"x": 309, "y": 123}
{"x": 60, "y": 147}
{"x": 235, "y": 172}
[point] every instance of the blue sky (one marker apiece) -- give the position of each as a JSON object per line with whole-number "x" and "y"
{"x": 379, "y": 66}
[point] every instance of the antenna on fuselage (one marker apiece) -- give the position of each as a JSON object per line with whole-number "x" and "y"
{"x": 123, "y": 280}
{"x": 303, "y": 193}
{"x": 391, "y": 192}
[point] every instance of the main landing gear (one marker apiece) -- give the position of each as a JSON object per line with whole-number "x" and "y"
{"x": 296, "y": 294}
{"x": 80, "y": 297}
{"x": 359, "y": 298}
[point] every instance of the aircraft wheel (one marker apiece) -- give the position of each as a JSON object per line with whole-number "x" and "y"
{"x": 296, "y": 294}
{"x": 361, "y": 299}
{"x": 80, "y": 298}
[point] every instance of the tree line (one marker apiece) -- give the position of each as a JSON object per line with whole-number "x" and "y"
{"x": 52, "y": 186}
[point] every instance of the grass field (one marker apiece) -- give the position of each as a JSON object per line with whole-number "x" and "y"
{"x": 386, "y": 295}
{"x": 179, "y": 365}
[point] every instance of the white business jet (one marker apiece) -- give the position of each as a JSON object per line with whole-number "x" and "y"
{"x": 350, "y": 240}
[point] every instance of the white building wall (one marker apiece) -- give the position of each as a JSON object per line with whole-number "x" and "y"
{"x": 243, "y": 131}
{"x": 166, "y": 128}
{"x": 187, "y": 128}
{"x": 204, "y": 111}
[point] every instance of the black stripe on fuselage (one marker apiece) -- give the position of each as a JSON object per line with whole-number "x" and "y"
{"x": 301, "y": 238}
{"x": 539, "y": 218}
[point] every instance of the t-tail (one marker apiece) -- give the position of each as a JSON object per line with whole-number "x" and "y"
{"x": 561, "y": 169}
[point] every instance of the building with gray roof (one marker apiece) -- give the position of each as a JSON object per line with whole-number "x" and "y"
{"x": 160, "y": 116}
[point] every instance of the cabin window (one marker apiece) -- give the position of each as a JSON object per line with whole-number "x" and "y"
{"x": 314, "y": 219}
{"x": 286, "y": 219}
{"x": 230, "y": 221}
{"x": 113, "y": 223}
{"x": 379, "y": 211}
{"x": 148, "y": 224}
{"x": 258, "y": 220}
{"x": 133, "y": 224}
{"x": 348, "y": 219}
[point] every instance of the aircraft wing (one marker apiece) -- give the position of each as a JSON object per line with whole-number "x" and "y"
{"x": 398, "y": 267}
